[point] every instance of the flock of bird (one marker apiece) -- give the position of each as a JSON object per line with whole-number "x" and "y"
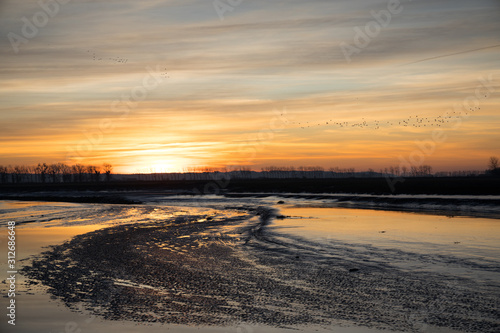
{"x": 119, "y": 60}
{"x": 110, "y": 59}
{"x": 164, "y": 74}
{"x": 414, "y": 121}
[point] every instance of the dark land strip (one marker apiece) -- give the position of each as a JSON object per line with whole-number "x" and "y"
{"x": 417, "y": 185}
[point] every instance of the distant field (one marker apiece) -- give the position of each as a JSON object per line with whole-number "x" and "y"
{"x": 420, "y": 185}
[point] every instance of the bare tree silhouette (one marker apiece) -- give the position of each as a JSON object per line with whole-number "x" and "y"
{"x": 19, "y": 172}
{"x": 93, "y": 172}
{"x": 65, "y": 171}
{"x": 41, "y": 169}
{"x": 493, "y": 163}
{"x": 79, "y": 172}
{"x": 107, "y": 168}
{"x": 4, "y": 172}
{"x": 493, "y": 168}
{"x": 53, "y": 171}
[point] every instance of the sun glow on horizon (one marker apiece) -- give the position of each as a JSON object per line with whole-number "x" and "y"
{"x": 155, "y": 166}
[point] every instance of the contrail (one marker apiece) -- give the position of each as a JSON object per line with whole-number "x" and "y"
{"x": 451, "y": 54}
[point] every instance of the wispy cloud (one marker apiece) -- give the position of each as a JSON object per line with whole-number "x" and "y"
{"x": 223, "y": 79}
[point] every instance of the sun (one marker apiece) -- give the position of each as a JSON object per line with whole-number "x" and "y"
{"x": 154, "y": 166}
{"x": 162, "y": 167}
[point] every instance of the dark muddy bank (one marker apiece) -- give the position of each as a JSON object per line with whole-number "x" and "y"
{"x": 408, "y": 185}
{"x": 79, "y": 198}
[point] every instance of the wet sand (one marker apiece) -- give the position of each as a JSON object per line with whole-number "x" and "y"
{"x": 211, "y": 270}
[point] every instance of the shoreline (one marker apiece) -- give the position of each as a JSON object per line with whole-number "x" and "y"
{"x": 487, "y": 206}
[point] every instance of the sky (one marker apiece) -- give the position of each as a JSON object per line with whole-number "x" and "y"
{"x": 169, "y": 85}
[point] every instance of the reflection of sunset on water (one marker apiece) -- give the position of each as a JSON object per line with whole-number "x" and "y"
{"x": 395, "y": 229}
{"x": 199, "y": 259}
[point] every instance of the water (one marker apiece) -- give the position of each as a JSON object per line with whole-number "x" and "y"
{"x": 462, "y": 251}
{"x": 466, "y": 247}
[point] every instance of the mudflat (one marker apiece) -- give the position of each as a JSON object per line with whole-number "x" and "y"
{"x": 206, "y": 270}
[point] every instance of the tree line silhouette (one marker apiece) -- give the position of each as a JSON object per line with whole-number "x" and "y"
{"x": 79, "y": 173}
{"x": 55, "y": 173}
{"x": 290, "y": 172}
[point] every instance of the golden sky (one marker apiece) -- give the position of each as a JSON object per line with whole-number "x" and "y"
{"x": 166, "y": 85}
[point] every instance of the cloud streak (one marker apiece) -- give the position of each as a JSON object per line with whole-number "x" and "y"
{"x": 453, "y": 54}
